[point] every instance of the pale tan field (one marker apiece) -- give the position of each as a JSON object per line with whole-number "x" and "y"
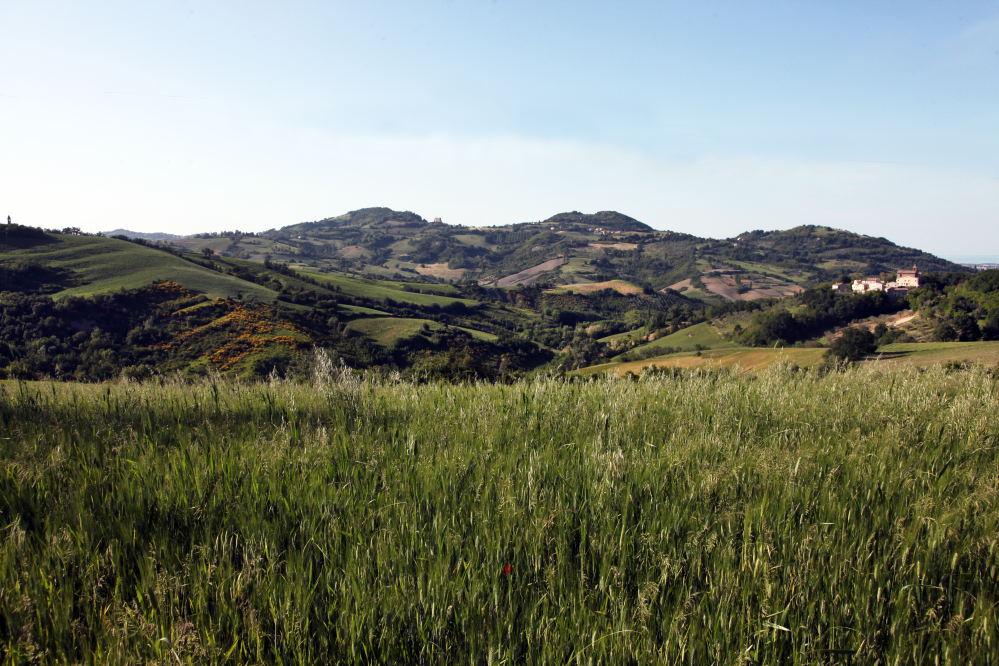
{"x": 590, "y": 287}
{"x": 441, "y": 271}
{"x": 745, "y": 358}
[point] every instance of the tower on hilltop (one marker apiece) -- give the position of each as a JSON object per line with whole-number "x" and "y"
{"x": 908, "y": 278}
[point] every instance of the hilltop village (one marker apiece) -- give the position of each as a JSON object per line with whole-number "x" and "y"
{"x": 895, "y": 289}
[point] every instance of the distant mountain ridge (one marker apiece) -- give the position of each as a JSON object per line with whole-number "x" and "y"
{"x": 605, "y": 219}
{"x": 573, "y": 248}
{"x": 569, "y": 248}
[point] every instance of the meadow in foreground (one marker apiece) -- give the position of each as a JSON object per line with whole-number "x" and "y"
{"x": 707, "y": 517}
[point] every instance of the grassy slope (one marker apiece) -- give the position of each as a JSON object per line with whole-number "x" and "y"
{"x": 109, "y": 264}
{"x": 743, "y": 357}
{"x": 473, "y": 239}
{"x": 259, "y": 270}
{"x": 386, "y": 330}
{"x": 934, "y": 353}
{"x": 914, "y": 354}
{"x": 381, "y": 289}
{"x": 769, "y": 269}
{"x": 357, "y": 309}
{"x": 626, "y": 336}
{"x": 698, "y": 334}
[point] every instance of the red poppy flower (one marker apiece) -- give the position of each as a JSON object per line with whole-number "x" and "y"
{"x": 507, "y": 569}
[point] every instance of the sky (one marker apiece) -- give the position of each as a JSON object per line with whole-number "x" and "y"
{"x": 709, "y": 118}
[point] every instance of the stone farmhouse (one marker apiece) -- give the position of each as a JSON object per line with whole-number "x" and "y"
{"x": 904, "y": 281}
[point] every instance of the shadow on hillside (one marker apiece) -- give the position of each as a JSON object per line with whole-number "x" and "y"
{"x": 29, "y": 277}
{"x": 17, "y": 237}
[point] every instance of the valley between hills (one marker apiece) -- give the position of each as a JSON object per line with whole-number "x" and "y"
{"x": 389, "y": 291}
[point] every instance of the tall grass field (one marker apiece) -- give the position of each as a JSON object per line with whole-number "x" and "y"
{"x": 684, "y": 518}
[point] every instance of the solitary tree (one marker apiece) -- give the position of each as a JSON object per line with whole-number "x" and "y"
{"x": 208, "y": 252}
{"x": 944, "y": 332}
{"x": 853, "y": 344}
{"x": 990, "y": 331}
{"x": 966, "y": 327}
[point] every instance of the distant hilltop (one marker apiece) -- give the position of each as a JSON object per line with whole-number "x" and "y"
{"x": 140, "y": 234}
{"x": 605, "y": 221}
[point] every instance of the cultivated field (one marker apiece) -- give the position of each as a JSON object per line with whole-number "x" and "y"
{"x": 776, "y": 518}
{"x": 441, "y": 270}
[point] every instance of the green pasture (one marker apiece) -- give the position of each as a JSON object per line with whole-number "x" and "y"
{"x": 627, "y": 336}
{"x": 381, "y": 289}
{"x": 260, "y": 270}
{"x": 933, "y": 353}
{"x": 401, "y": 246}
{"x": 698, "y": 334}
{"x": 702, "y": 295}
{"x": 744, "y": 358}
{"x": 574, "y": 264}
{"x": 472, "y": 239}
{"x": 387, "y": 330}
{"x": 435, "y": 288}
{"x": 108, "y": 264}
{"x": 196, "y": 244}
{"x": 357, "y": 309}
{"x": 686, "y": 517}
{"x": 576, "y": 272}
{"x": 769, "y": 269}
{"x": 843, "y": 265}
{"x": 379, "y": 270}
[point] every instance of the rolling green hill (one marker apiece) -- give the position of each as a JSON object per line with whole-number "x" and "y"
{"x": 571, "y": 248}
{"x": 387, "y": 330}
{"x": 95, "y": 265}
{"x": 389, "y": 289}
{"x": 748, "y": 360}
{"x": 701, "y": 335}
{"x": 935, "y": 353}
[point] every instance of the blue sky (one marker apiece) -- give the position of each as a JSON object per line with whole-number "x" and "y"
{"x": 710, "y": 117}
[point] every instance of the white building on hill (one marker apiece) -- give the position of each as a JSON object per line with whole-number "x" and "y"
{"x": 908, "y": 279}
{"x": 905, "y": 281}
{"x": 868, "y": 284}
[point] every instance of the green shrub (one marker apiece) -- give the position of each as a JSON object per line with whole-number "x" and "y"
{"x": 853, "y": 344}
